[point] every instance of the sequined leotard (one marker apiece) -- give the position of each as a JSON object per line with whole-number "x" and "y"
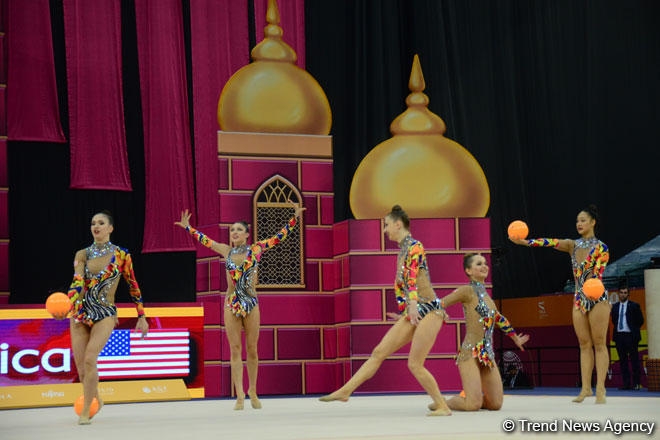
{"x": 241, "y": 295}
{"x": 412, "y": 279}
{"x": 593, "y": 266}
{"x": 92, "y": 293}
{"x": 481, "y": 315}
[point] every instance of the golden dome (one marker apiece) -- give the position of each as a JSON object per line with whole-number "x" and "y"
{"x": 418, "y": 168}
{"x": 272, "y": 94}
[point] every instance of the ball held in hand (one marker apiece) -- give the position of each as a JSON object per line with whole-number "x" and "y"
{"x": 518, "y": 229}
{"x": 593, "y": 288}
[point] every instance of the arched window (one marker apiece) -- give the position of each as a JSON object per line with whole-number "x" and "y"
{"x": 282, "y": 266}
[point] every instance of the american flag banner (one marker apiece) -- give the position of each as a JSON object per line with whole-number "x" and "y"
{"x": 162, "y": 353}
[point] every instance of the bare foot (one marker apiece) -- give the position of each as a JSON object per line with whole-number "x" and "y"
{"x": 439, "y": 408}
{"x": 255, "y": 402}
{"x": 600, "y": 395}
{"x": 332, "y": 397}
{"x": 84, "y": 420}
{"x": 440, "y": 412}
{"x": 583, "y": 394}
{"x": 238, "y": 406}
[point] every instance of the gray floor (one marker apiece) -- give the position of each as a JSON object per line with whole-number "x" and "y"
{"x": 362, "y": 417}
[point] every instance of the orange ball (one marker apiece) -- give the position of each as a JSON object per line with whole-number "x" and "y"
{"x": 518, "y": 229}
{"x": 80, "y": 402}
{"x": 593, "y": 288}
{"x": 58, "y": 305}
{"x": 462, "y": 393}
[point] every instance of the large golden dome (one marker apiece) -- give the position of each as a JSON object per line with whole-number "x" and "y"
{"x": 418, "y": 168}
{"x": 272, "y": 94}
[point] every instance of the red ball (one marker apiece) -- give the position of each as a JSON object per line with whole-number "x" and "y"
{"x": 593, "y": 288}
{"x": 58, "y": 305}
{"x": 80, "y": 402}
{"x": 518, "y": 229}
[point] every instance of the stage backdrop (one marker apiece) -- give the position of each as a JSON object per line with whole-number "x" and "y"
{"x": 558, "y": 100}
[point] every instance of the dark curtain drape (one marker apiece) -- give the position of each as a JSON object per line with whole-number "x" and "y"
{"x": 557, "y": 100}
{"x": 166, "y": 124}
{"x": 219, "y": 47}
{"x": 96, "y": 112}
{"x": 32, "y": 105}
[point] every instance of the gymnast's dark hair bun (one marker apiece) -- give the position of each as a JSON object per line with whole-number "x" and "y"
{"x": 398, "y": 213}
{"x": 592, "y": 210}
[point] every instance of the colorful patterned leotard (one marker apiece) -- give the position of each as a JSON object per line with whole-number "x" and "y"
{"x": 593, "y": 266}
{"x": 241, "y": 271}
{"x": 481, "y": 315}
{"x": 412, "y": 280}
{"x": 92, "y": 293}
{"x": 243, "y": 297}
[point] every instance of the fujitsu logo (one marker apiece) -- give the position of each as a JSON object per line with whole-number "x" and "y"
{"x": 18, "y": 360}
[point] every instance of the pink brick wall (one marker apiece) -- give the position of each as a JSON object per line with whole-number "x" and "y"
{"x": 393, "y": 376}
{"x": 249, "y": 174}
{"x": 313, "y": 339}
{"x": 298, "y": 326}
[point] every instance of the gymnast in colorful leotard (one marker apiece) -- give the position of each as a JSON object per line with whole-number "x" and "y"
{"x": 241, "y": 303}
{"x": 589, "y": 256}
{"x": 480, "y": 376}
{"x": 418, "y": 322}
{"x": 97, "y": 270}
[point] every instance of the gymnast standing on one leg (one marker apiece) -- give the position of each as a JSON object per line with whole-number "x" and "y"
{"x": 420, "y": 320}
{"x": 97, "y": 270}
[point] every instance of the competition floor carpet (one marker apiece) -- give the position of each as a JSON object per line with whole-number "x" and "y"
{"x": 549, "y": 411}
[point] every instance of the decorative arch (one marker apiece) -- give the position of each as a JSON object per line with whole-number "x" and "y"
{"x": 284, "y": 265}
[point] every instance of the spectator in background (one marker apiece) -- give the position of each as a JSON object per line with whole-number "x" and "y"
{"x": 627, "y": 318}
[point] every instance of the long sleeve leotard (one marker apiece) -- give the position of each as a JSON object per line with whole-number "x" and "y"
{"x": 95, "y": 282}
{"x": 241, "y": 264}
{"x": 412, "y": 282}
{"x": 592, "y": 266}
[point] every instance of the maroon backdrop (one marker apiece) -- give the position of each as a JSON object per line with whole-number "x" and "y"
{"x": 32, "y": 107}
{"x": 220, "y": 46}
{"x": 99, "y": 159}
{"x": 166, "y": 122}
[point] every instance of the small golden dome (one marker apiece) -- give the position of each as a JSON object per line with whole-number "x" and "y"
{"x": 272, "y": 94}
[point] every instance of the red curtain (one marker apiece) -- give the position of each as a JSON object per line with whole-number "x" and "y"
{"x": 96, "y": 111}
{"x": 292, "y": 22}
{"x": 166, "y": 122}
{"x": 32, "y": 108}
{"x": 220, "y": 46}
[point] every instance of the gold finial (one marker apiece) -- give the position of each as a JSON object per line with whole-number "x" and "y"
{"x": 417, "y": 119}
{"x": 272, "y": 47}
